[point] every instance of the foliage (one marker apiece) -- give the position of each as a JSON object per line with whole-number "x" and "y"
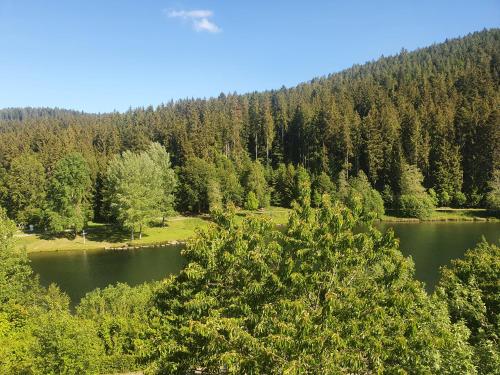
{"x": 255, "y": 181}
{"x": 471, "y": 289}
{"x": 302, "y": 186}
{"x": 119, "y": 314}
{"x": 414, "y": 200}
{"x": 251, "y": 203}
{"x": 69, "y": 194}
{"x": 214, "y": 196}
{"x": 195, "y": 177}
{"x": 361, "y": 193}
{"x": 161, "y": 159}
{"x": 232, "y": 191}
{"x": 435, "y": 108}
{"x": 418, "y": 206}
{"x": 26, "y": 186}
{"x": 65, "y": 345}
{"x": 37, "y": 333}
{"x": 493, "y": 196}
{"x": 284, "y": 185}
{"x": 135, "y": 189}
{"x": 322, "y": 184}
{"x": 319, "y": 298}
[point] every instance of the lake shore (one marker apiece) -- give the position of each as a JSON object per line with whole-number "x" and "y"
{"x": 180, "y": 228}
{"x": 447, "y": 214}
{"x": 177, "y": 230}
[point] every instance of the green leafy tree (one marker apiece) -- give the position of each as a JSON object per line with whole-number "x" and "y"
{"x": 119, "y": 314}
{"x": 195, "y": 177}
{"x": 66, "y": 345}
{"x": 283, "y": 185}
{"x": 471, "y": 289}
{"x": 214, "y": 196}
{"x": 302, "y": 191}
{"x": 251, "y": 203}
{"x": 322, "y": 184}
{"x": 256, "y": 182}
{"x": 361, "y": 192}
{"x": 37, "y": 333}
{"x": 414, "y": 200}
{"x": 161, "y": 158}
{"x": 230, "y": 186}
{"x": 135, "y": 190}
{"x": 68, "y": 195}
{"x": 321, "y": 298}
{"x": 26, "y": 186}
{"x": 493, "y": 196}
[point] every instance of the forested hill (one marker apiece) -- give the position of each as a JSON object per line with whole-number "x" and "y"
{"x": 24, "y": 113}
{"x": 436, "y": 108}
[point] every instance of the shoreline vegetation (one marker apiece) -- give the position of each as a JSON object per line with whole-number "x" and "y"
{"x": 179, "y": 229}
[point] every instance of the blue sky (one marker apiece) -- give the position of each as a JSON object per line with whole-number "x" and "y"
{"x": 104, "y": 55}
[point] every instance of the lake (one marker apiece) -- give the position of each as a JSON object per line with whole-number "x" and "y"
{"x": 433, "y": 244}
{"x": 430, "y": 245}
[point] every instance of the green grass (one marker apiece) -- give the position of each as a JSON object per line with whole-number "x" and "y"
{"x": 451, "y": 214}
{"x": 100, "y": 236}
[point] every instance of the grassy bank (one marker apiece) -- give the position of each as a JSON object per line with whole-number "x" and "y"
{"x": 449, "y": 214}
{"x": 101, "y": 236}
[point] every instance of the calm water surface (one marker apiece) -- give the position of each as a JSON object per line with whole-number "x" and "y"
{"x": 430, "y": 245}
{"x": 78, "y": 272}
{"x": 433, "y": 244}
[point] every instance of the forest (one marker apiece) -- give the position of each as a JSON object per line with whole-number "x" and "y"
{"x": 429, "y": 117}
{"x": 327, "y": 293}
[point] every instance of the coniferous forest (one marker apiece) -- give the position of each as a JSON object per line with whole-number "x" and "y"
{"x": 435, "y": 110}
{"x": 327, "y": 293}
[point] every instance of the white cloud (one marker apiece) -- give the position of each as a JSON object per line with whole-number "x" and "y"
{"x": 205, "y": 25}
{"x": 199, "y": 19}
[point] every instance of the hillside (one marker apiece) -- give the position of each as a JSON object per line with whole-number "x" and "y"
{"x": 436, "y": 108}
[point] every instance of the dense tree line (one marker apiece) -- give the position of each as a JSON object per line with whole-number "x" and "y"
{"x": 432, "y": 113}
{"x": 318, "y": 297}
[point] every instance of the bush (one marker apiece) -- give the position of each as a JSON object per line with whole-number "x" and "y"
{"x": 434, "y": 196}
{"x": 252, "y": 203}
{"x": 459, "y": 199}
{"x": 371, "y": 200}
{"x": 444, "y": 198}
{"x": 419, "y": 206}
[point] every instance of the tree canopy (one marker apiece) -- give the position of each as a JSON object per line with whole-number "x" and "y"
{"x": 319, "y": 298}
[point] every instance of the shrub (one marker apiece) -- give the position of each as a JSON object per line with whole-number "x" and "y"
{"x": 434, "y": 197}
{"x": 252, "y": 203}
{"x": 419, "y": 206}
{"x": 459, "y": 199}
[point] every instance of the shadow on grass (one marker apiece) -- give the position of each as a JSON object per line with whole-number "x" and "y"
{"x": 56, "y": 236}
{"x": 97, "y": 233}
{"x": 107, "y": 233}
{"x": 485, "y": 214}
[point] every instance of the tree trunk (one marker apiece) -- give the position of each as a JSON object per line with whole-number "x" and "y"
{"x": 132, "y": 236}
{"x": 140, "y": 232}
